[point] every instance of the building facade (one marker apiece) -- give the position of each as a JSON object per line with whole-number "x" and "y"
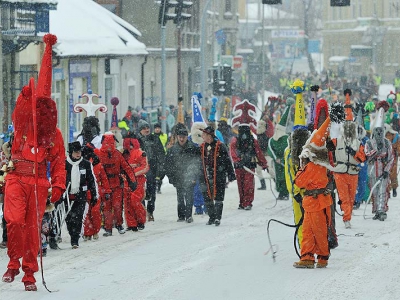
{"x": 361, "y": 39}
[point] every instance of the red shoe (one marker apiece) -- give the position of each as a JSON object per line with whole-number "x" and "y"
{"x": 30, "y": 286}
{"x": 9, "y": 275}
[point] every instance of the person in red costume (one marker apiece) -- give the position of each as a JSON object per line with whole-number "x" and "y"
{"x": 35, "y": 123}
{"x": 135, "y": 212}
{"x": 245, "y": 152}
{"x": 92, "y": 222}
{"x": 114, "y": 163}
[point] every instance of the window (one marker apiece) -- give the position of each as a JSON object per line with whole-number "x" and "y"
{"x": 228, "y": 5}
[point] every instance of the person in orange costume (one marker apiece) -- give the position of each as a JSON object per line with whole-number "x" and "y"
{"x": 316, "y": 201}
{"x": 349, "y": 153}
{"x": 135, "y": 212}
{"x": 26, "y": 183}
{"x": 114, "y": 164}
{"x": 92, "y": 222}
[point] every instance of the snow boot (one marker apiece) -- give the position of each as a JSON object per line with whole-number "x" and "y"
{"x": 30, "y": 286}
{"x": 356, "y": 205}
{"x": 132, "y": 229}
{"x": 120, "y": 229}
{"x": 189, "y": 220}
{"x": 53, "y": 244}
{"x": 304, "y": 264}
{"x": 75, "y": 246}
{"x": 394, "y": 193}
{"x": 9, "y": 275}
{"x": 107, "y": 233}
{"x": 210, "y": 222}
{"x": 181, "y": 220}
{"x": 382, "y": 216}
{"x": 217, "y": 222}
{"x": 248, "y": 207}
{"x": 87, "y": 238}
{"x": 3, "y": 245}
{"x": 95, "y": 237}
{"x": 263, "y": 185}
{"x": 140, "y": 226}
{"x": 150, "y": 217}
{"x": 347, "y": 225}
{"x": 241, "y": 206}
{"x": 322, "y": 264}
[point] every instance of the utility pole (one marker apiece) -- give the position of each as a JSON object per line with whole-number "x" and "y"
{"x": 203, "y": 43}
{"x": 180, "y": 17}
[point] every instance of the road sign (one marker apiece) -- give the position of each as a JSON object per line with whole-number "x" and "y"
{"x": 237, "y": 62}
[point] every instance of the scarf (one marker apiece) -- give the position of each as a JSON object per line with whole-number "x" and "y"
{"x": 75, "y": 175}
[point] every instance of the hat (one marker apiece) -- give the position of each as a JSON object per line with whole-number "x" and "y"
{"x": 313, "y": 104}
{"x": 382, "y": 108}
{"x": 157, "y": 125}
{"x": 318, "y": 138}
{"x": 46, "y": 70}
{"x": 347, "y": 106}
{"x": 209, "y": 130}
{"x": 182, "y": 131}
{"x": 143, "y": 124}
{"x": 197, "y": 117}
{"x": 299, "y": 113}
{"x": 245, "y": 114}
{"x": 74, "y": 147}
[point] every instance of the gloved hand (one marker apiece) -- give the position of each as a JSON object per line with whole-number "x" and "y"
{"x": 350, "y": 151}
{"x": 298, "y": 198}
{"x": 132, "y": 185}
{"x": 56, "y": 193}
{"x": 385, "y": 174}
{"x": 107, "y": 196}
{"x": 93, "y": 202}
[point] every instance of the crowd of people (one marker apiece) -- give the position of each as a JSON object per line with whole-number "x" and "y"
{"x": 311, "y": 148}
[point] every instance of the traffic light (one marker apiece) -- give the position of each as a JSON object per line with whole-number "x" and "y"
{"x": 163, "y": 15}
{"x": 340, "y": 2}
{"x": 180, "y": 15}
{"x": 271, "y": 1}
{"x": 227, "y": 75}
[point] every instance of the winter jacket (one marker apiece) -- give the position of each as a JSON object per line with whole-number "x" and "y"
{"x": 249, "y": 158}
{"x": 214, "y": 175}
{"x": 182, "y": 166}
{"x": 87, "y": 180}
{"x": 155, "y": 153}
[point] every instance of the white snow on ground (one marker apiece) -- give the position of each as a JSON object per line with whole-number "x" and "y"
{"x": 180, "y": 261}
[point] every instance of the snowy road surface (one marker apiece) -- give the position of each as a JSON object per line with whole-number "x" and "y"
{"x": 180, "y": 261}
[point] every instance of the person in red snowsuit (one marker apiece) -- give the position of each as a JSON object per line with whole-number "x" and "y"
{"x": 114, "y": 163}
{"x": 135, "y": 212}
{"x": 92, "y": 222}
{"x": 245, "y": 152}
{"x": 23, "y": 211}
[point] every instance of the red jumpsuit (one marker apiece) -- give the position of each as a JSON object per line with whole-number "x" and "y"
{"x": 245, "y": 180}
{"x": 113, "y": 163}
{"x": 22, "y": 211}
{"x": 135, "y": 213}
{"x": 92, "y": 223}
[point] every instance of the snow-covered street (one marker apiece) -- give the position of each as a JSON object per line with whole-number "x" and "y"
{"x": 181, "y": 261}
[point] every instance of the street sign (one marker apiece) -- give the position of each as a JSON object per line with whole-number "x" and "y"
{"x": 153, "y": 117}
{"x": 237, "y": 62}
{"x": 227, "y": 60}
